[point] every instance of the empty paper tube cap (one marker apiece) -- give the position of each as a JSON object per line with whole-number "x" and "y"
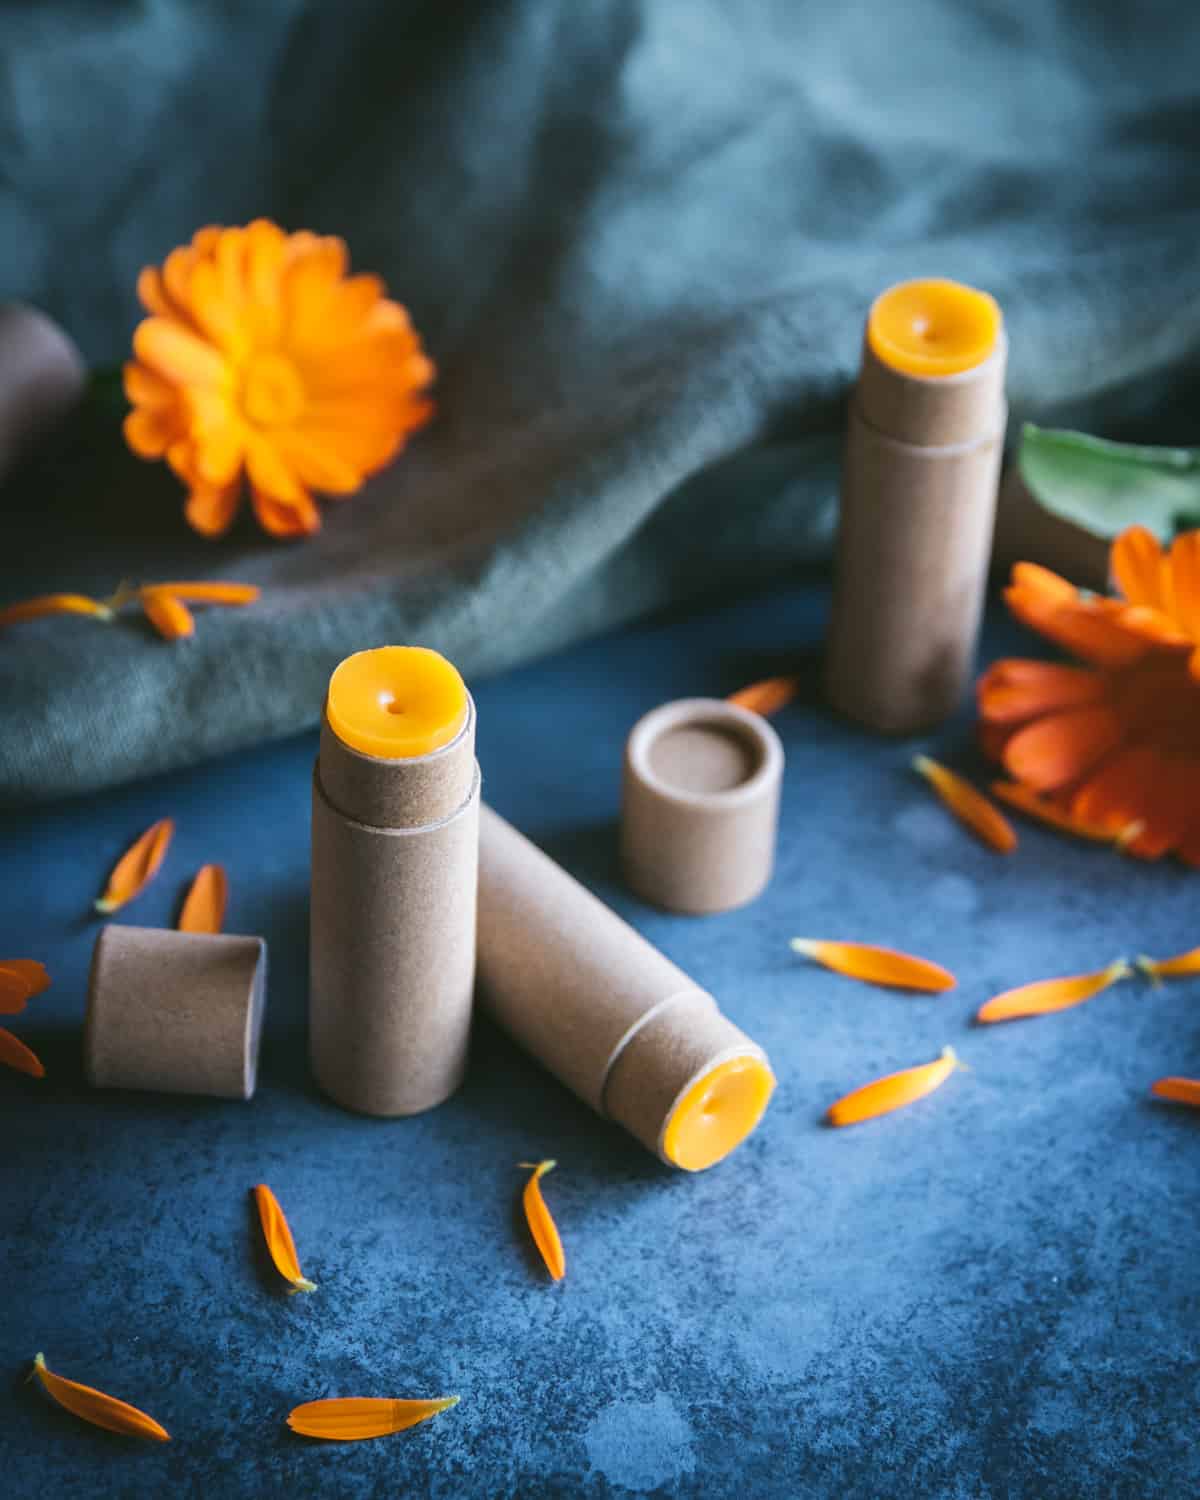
{"x": 176, "y": 1012}
{"x": 607, "y": 1013}
{"x": 700, "y": 807}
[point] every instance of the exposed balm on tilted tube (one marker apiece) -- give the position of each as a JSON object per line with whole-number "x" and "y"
{"x": 918, "y": 501}
{"x": 608, "y": 1014}
{"x": 395, "y": 840}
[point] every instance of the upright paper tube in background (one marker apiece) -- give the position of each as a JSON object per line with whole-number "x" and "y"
{"x": 395, "y": 838}
{"x": 607, "y": 1013}
{"x": 918, "y": 500}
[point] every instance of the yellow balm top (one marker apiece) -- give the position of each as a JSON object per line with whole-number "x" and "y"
{"x": 718, "y": 1112}
{"x": 933, "y": 327}
{"x": 397, "y": 702}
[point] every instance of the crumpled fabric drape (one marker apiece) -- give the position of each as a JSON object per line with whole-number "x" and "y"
{"x": 638, "y": 237}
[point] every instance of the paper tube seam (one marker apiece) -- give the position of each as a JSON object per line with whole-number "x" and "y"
{"x": 644, "y": 1020}
{"x": 933, "y": 450}
{"x": 408, "y": 830}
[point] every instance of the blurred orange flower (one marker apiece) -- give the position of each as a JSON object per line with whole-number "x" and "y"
{"x": 1116, "y": 744}
{"x": 262, "y": 360}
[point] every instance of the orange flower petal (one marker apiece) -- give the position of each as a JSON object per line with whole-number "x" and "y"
{"x": 15, "y": 1054}
{"x": 1088, "y": 627}
{"x": 1181, "y": 966}
{"x": 20, "y": 980}
{"x": 1184, "y": 577}
{"x": 1179, "y": 1090}
{"x": 204, "y": 906}
{"x": 1060, "y": 748}
{"x": 54, "y": 604}
{"x": 1050, "y": 814}
{"x": 211, "y": 511}
{"x": 170, "y": 616}
{"x": 1136, "y": 564}
{"x": 171, "y": 351}
{"x": 541, "y": 1225}
{"x": 1011, "y": 691}
{"x": 279, "y": 1239}
{"x": 212, "y": 593}
{"x": 971, "y": 807}
{"x": 136, "y": 868}
{"x": 1046, "y": 995}
{"x": 883, "y": 966}
{"x": 347, "y": 1419}
{"x": 768, "y": 696}
{"x": 893, "y": 1092}
{"x": 97, "y": 1408}
{"x": 283, "y": 519}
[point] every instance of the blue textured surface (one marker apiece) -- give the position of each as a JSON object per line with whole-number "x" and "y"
{"x": 992, "y": 1294}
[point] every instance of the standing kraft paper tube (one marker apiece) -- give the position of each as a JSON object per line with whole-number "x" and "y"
{"x": 918, "y": 500}
{"x": 609, "y": 1014}
{"x": 395, "y": 841}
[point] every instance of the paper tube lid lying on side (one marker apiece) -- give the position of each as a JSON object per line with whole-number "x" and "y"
{"x": 178, "y": 1012}
{"x": 607, "y": 1013}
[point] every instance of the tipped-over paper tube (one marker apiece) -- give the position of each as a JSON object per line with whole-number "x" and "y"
{"x": 41, "y": 377}
{"x": 607, "y": 1013}
{"x": 395, "y": 844}
{"x": 177, "y": 1012}
{"x": 918, "y": 500}
{"x": 700, "y": 805}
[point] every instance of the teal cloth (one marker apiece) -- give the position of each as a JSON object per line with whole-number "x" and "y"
{"x": 639, "y": 239}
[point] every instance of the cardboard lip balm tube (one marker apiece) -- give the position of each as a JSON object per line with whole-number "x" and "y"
{"x": 395, "y": 843}
{"x": 175, "y": 1012}
{"x": 700, "y": 805}
{"x": 607, "y": 1013}
{"x": 42, "y": 375}
{"x": 918, "y": 498}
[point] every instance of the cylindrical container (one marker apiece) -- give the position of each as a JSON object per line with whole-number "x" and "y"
{"x": 41, "y": 377}
{"x": 175, "y": 1012}
{"x": 700, "y": 805}
{"x": 918, "y": 501}
{"x": 395, "y": 841}
{"x": 607, "y": 1013}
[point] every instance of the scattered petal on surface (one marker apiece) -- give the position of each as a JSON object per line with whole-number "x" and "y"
{"x": 97, "y": 1408}
{"x": 204, "y": 905}
{"x": 172, "y": 618}
{"x": 877, "y": 965}
{"x": 768, "y": 696}
{"x": 894, "y": 1091}
{"x": 212, "y": 593}
{"x": 1178, "y": 1090}
{"x": 279, "y": 1239}
{"x": 347, "y": 1419}
{"x": 137, "y": 866}
{"x": 971, "y": 807}
{"x": 541, "y": 1225}
{"x": 15, "y": 1054}
{"x": 1046, "y": 995}
{"x": 54, "y": 604}
{"x": 1181, "y": 965}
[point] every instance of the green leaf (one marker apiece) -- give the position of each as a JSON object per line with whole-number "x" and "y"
{"x": 1105, "y": 486}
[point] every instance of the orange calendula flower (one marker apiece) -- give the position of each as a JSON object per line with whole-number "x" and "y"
{"x": 15, "y": 1054}
{"x": 204, "y": 905}
{"x": 886, "y": 966}
{"x": 969, "y": 806}
{"x": 541, "y": 1225}
{"x": 279, "y": 1240}
{"x": 54, "y": 604}
{"x": 20, "y": 980}
{"x": 1046, "y": 995}
{"x": 1178, "y": 1090}
{"x": 768, "y": 696}
{"x": 1114, "y": 745}
{"x": 893, "y": 1092}
{"x": 347, "y": 1419}
{"x": 136, "y": 868}
{"x": 97, "y": 1408}
{"x": 263, "y": 363}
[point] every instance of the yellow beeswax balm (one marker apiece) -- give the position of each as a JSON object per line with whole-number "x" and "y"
{"x": 396, "y": 702}
{"x": 933, "y": 327}
{"x": 717, "y": 1113}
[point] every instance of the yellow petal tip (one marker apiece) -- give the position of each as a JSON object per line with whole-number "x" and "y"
{"x": 106, "y": 908}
